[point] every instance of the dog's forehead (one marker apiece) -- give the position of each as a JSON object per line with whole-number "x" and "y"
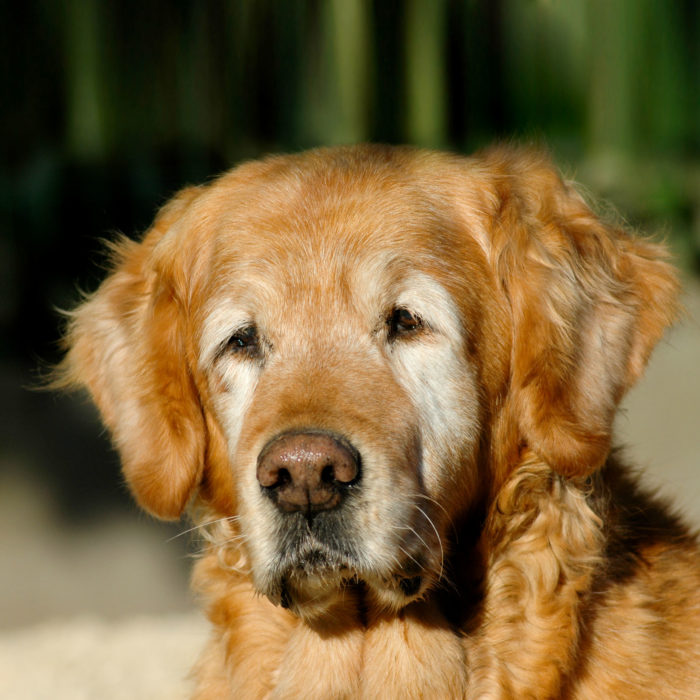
{"x": 332, "y": 235}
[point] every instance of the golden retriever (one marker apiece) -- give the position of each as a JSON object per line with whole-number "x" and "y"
{"x": 382, "y": 381}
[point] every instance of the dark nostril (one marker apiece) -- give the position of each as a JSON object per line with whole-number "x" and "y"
{"x": 283, "y": 478}
{"x": 307, "y": 471}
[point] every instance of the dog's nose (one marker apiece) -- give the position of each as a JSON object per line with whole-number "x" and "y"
{"x": 307, "y": 471}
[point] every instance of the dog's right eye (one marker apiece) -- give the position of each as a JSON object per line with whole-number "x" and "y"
{"x": 403, "y": 322}
{"x": 245, "y": 340}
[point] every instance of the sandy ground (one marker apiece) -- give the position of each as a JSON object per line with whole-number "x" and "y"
{"x": 87, "y": 658}
{"x": 103, "y": 612}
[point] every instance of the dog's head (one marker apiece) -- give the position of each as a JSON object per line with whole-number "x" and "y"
{"x": 344, "y": 351}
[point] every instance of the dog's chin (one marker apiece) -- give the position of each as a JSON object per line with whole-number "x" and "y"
{"x": 313, "y": 592}
{"x": 311, "y": 596}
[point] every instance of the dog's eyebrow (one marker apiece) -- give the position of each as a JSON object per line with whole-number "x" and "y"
{"x": 219, "y": 325}
{"x": 432, "y": 302}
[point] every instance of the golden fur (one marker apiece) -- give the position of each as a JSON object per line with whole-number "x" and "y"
{"x": 465, "y": 329}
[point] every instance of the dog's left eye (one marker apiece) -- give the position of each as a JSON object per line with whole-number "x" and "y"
{"x": 403, "y": 322}
{"x": 245, "y": 340}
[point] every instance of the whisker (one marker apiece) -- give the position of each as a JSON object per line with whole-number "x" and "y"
{"x": 410, "y": 529}
{"x": 201, "y": 526}
{"x": 425, "y": 544}
{"x": 435, "y": 502}
{"x": 439, "y": 539}
{"x": 446, "y": 583}
{"x": 230, "y": 540}
{"x": 409, "y": 556}
{"x": 450, "y": 518}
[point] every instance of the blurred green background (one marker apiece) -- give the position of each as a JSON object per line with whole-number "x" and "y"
{"x": 109, "y": 107}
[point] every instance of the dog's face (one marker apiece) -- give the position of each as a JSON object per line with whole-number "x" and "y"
{"x": 344, "y": 351}
{"x": 337, "y": 366}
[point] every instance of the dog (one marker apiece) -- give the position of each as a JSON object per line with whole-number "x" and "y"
{"x": 382, "y": 382}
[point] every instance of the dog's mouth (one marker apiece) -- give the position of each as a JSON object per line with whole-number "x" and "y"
{"x": 312, "y": 572}
{"x": 312, "y": 594}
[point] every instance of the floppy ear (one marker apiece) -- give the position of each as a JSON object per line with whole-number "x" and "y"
{"x": 588, "y": 304}
{"x": 126, "y": 345}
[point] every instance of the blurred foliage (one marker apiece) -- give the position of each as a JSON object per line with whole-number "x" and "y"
{"x": 108, "y": 107}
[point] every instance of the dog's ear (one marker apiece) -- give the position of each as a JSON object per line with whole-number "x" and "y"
{"x": 588, "y": 303}
{"x": 126, "y": 345}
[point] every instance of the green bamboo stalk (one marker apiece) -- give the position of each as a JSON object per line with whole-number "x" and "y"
{"x": 86, "y": 133}
{"x": 426, "y": 108}
{"x": 351, "y": 53}
{"x": 614, "y": 31}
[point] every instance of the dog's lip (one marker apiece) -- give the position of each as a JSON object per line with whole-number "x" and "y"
{"x": 316, "y": 565}
{"x": 411, "y": 586}
{"x": 319, "y": 563}
{"x": 311, "y": 555}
